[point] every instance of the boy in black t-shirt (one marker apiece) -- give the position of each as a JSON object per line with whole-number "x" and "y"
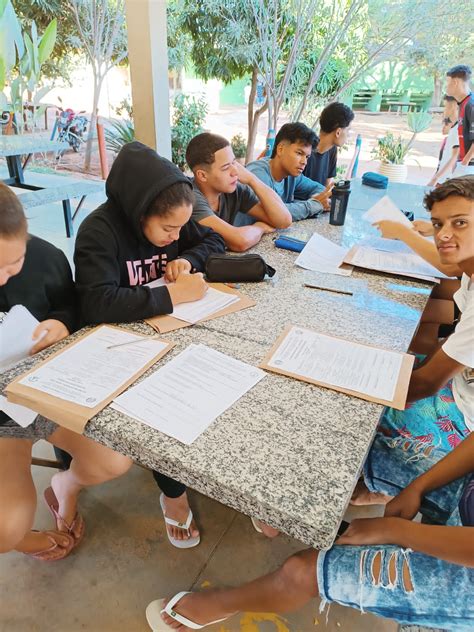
{"x": 335, "y": 122}
{"x": 457, "y": 86}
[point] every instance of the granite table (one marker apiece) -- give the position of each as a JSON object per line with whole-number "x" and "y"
{"x": 13, "y": 147}
{"x": 288, "y": 452}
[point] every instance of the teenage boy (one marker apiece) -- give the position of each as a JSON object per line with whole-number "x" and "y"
{"x": 223, "y": 188}
{"x": 457, "y": 86}
{"x": 420, "y": 574}
{"x": 449, "y": 150}
{"x": 283, "y": 172}
{"x": 334, "y": 123}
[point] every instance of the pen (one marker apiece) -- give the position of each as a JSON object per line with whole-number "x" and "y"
{"x": 132, "y": 342}
{"x": 328, "y": 289}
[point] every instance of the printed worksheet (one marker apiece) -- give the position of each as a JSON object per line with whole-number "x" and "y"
{"x": 182, "y": 398}
{"x": 212, "y": 301}
{"x": 338, "y": 363}
{"x": 16, "y": 336}
{"x": 409, "y": 264}
{"x": 89, "y": 372}
{"x": 386, "y": 209}
{"x": 22, "y": 415}
{"x": 322, "y": 255}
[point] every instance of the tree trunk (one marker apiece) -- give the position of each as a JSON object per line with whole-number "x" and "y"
{"x": 252, "y": 133}
{"x": 437, "y": 90}
{"x": 93, "y": 121}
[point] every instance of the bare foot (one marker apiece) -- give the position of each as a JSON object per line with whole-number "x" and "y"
{"x": 202, "y": 608}
{"x": 270, "y": 532}
{"x": 66, "y": 495}
{"x": 178, "y": 509}
{"x": 37, "y": 541}
{"x": 362, "y": 496}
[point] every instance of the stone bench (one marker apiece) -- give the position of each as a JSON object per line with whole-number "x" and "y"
{"x": 62, "y": 193}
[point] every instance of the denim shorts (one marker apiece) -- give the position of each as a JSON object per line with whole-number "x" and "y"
{"x": 437, "y": 594}
{"x": 41, "y": 428}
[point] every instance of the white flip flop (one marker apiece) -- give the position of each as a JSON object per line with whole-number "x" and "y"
{"x": 155, "y": 609}
{"x": 179, "y": 544}
{"x": 255, "y": 525}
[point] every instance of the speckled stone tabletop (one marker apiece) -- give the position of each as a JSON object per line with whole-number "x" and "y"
{"x": 287, "y": 452}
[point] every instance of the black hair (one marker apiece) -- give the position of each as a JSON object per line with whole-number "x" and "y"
{"x": 335, "y": 115}
{"x": 175, "y": 195}
{"x": 295, "y": 133}
{"x": 462, "y": 186}
{"x": 460, "y": 72}
{"x": 12, "y": 216}
{"x": 202, "y": 148}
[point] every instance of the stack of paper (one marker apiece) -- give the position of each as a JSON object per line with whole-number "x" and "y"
{"x": 404, "y": 264}
{"x": 184, "y": 397}
{"x": 386, "y": 209}
{"x": 374, "y": 374}
{"x": 16, "y": 336}
{"x": 212, "y": 301}
{"x": 322, "y": 255}
{"x": 90, "y": 372}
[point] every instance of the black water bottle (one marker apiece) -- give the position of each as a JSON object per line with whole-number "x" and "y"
{"x": 339, "y": 201}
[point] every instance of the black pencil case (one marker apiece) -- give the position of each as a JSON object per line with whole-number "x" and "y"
{"x": 238, "y": 269}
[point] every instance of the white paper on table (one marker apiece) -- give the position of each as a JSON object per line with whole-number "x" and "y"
{"x": 399, "y": 263}
{"x": 386, "y": 245}
{"x": 16, "y": 336}
{"x": 212, "y": 301}
{"x": 22, "y": 415}
{"x": 337, "y": 362}
{"x": 88, "y": 372}
{"x": 322, "y": 255}
{"x": 182, "y": 398}
{"x": 386, "y": 209}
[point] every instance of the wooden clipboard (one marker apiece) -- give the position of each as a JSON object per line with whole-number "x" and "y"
{"x": 401, "y": 389}
{"x": 67, "y": 414}
{"x": 165, "y": 324}
{"x": 350, "y": 259}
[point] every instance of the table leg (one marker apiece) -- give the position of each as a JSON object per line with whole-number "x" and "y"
{"x": 15, "y": 169}
{"x": 68, "y": 218}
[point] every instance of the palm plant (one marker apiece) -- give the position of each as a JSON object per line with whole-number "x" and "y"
{"x": 119, "y": 134}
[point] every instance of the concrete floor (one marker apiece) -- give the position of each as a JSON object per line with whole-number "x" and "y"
{"x": 125, "y": 560}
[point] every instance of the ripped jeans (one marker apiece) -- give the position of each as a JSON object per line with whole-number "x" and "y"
{"x": 391, "y": 582}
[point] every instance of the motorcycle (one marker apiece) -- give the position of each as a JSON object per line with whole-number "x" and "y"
{"x": 71, "y": 127}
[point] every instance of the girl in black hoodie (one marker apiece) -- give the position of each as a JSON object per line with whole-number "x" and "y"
{"x": 142, "y": 232}
{"x": 35, "y": 274}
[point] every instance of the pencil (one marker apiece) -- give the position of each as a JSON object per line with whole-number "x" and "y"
{"x": 133, "y": 342}
{"x": 328, "y": 289}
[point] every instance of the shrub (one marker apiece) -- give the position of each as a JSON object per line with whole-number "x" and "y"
{"x": 189, "y": 114}
{"x": 239, "y": 145}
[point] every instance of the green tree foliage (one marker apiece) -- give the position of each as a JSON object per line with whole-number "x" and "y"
{"x": 189, "y": 114}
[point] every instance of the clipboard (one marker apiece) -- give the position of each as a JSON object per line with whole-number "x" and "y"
{"x": 167, "y": 323}
{"x": 401, "y": 389}
{"x": 67, "y": 414}
{"x": 350, "y": 259}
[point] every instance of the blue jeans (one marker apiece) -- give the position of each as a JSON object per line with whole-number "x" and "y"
{"x": 412, "y": 588}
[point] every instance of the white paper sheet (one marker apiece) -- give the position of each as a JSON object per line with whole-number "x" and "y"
{"x": 336, "y": 362}
{"x": 322, "y": 255}
{"x": 89, "y": 372}
{"x": 386, "y": 209}
{"x": 22, "y": 415}
{"x": 386, "y": 245}
{"x": 408, "y": 264}
{"x": 16, "y": 336}
{"x": 182, "y": 398}
{"x": 212, "y": 301}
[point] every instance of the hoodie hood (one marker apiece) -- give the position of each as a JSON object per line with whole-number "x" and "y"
{"x": 137, "y": 177}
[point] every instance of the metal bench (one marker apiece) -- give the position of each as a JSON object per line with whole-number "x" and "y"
{"x": 62, "y": 193}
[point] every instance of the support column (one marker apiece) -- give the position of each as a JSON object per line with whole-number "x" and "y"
{"x": 148, "y": 57}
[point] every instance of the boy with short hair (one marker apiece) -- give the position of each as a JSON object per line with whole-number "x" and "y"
{"x": 224, "y": 188}
{"x": 283, "y": 172}
{"x": 449, "y": 151}
{"x": 457, "y": 86}
{"x": 334, "y": 123}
